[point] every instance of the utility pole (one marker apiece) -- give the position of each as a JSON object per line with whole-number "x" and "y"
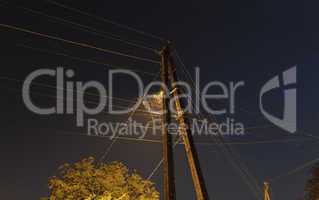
{"x": 168, "y": 160}
{"x": 266, "y": 191}
{"x": 184, "y": 130}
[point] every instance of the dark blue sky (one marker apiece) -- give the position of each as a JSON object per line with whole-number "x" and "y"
{"x": 229, "y": 40}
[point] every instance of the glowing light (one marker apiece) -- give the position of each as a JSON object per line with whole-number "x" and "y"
{"x": 153, "y": 103}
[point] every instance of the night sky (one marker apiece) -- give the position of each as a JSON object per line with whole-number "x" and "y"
{"x": 249, "y": 41}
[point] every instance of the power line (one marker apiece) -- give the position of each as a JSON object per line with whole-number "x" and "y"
{"x": 85, "y": 28}
{"x": 228, "y": 151}
{"x": 108, "y": 150}
{"x": 210, "y": 144}
{"x": 257, "y": 142}
{"x": 275, "y": 141}
{"x": 105, "y": 20}
{"x": 63, "y": 89}
{"x": 111, "y": 137}
{"x": 304, "y": 133}
{"x": 86, "y": 101}
{"x": 106, "y": 65}
{"x": 309, "y": 135}
{"x": 156, "y": 141}
{"x": 295, "y": 170}
{"x": 84, "y": 45}
{"x": 158, "y": 165}
{"x": 197, "y": 143}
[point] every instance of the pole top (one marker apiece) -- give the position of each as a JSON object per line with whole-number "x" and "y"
{"x": 166, "y": 48}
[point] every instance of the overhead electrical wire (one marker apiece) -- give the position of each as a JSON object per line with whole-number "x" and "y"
{"x": 81, "y": 44}
{"x": 295, "y": 170}
{"x": 105, "y": 65}
{"x": 114, "y": 140}
{"x": 86, "y": 101}
{"x": 303, "y": 132}
{"x": 108, "y": 150}
{"x": 179, "y": 142}
{"x": 124, "y": 138}
{"x": 158, "y": 165}
{"x": 157, "y": 141}
{"x": 198, "y": 143}
{"x": 228, "y": 151}
{"x": 87, "y": 28}
{"x": 105, "y": 20}
{"x": 63, "y": 89}
{"x": 84, "y": 28}
{"x": 233, "y": 143}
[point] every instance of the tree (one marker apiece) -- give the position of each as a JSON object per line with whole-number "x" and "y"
{"x": 312, "y": 186}
{"x": 87, "y": 180}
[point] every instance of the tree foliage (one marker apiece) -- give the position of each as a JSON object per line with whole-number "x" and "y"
{"x": 312, "y": 186}
{"x": 86, "y": 180}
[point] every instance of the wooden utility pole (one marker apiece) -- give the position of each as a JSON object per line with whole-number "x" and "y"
{"x": 266, "y": 191}
{"x": 168, "y": 160}
{"x": 184, "y": 129}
